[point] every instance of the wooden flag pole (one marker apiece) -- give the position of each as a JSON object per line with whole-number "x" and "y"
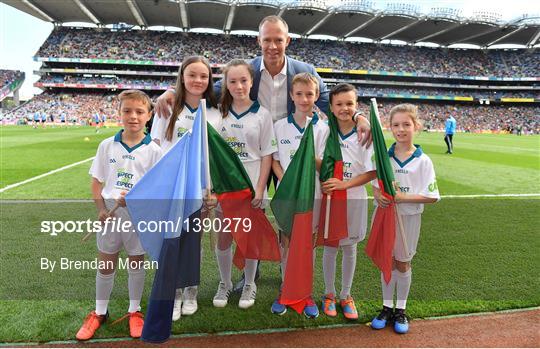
{"x": 327, "y": 216}
{"x": 111, "y": 212}
{"x": 402, "y": 230}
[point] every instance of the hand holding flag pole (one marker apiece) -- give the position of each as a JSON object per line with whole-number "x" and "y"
{"x": 400, "y": 223}
{"x": 111, "y": 213}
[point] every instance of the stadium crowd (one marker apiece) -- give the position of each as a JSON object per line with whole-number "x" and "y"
{"x": 471, "y": 117}
{"x": 8, "y": 76}
{"x": 219, "y": 49}
{"x": 161, "y": 83}
{"x": 77, "y": 107}
{"x": 493, "y": 94}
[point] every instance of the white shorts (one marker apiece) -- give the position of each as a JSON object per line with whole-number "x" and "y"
{"x": 411, "y": 225}
{"x": 111, "y": 241}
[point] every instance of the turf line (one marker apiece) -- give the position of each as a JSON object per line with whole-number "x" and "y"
{"x": 14, "y": 185}
{"x": 64, "y": 201}
{"x": 263, "y": 331}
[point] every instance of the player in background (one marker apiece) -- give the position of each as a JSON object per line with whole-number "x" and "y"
{"x": 449, "y": 130}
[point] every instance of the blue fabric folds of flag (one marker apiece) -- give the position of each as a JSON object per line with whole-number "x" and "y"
{"x": 171, "y": 192}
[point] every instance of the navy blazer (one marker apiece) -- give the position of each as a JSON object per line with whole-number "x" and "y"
{"x": 293, "y": 67}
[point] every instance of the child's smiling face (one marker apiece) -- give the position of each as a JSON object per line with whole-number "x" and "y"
{"x": 304, "y": 96}
{"x": 344, "y": 105}
{"x": 403, "y": 127}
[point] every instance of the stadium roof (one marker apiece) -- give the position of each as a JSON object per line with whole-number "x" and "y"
{"x": 354, "y": 18}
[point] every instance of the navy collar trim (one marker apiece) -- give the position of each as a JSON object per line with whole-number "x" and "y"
{"x": 118, "y": 138}
{"x": 344, "y": 137}
{"x": 290, "y": 120}
{"x": 194, "y": 110}
{"x": 254, "y": 108}
{"x": 416, "y": 154}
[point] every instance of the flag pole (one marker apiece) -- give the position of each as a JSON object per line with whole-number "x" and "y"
{"x": 397, "y": 213}
{"x": 208, "y": 188}
{"x": 327, "y": 216}
{"x": 111, "y": 212}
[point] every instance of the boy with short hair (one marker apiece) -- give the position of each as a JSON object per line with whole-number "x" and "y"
{"x": 289, "y": 133}
{"x": 120, "y": 162}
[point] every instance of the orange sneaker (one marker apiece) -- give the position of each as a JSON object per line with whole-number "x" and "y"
{"x": 90, "y": 325}
{"x": 136, "y": 323}
{"x": 329, "y": 304}
{"x": 349, "y": 308}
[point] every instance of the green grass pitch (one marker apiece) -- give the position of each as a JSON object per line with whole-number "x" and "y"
{"x": 475, "y": 253}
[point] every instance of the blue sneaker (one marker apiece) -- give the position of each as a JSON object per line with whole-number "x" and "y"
{"x": 401, "y": 323}
{"x": 278, "y": 308}
{"x": 385, "y": 316}
{"x": 311, "y": 310}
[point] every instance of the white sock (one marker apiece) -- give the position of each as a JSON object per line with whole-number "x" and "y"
{"x": 283, "y": 261}
{"x": 104, "y": 286}
{"x": 348, "y": 265}
{"x": 403, "y": 285}
{"x": 135, "y": 288}
{"x": 329, "y": 269}
{"x": 388, "y": 290}
{"x": 224, "y": 259}
{"x": 250, "y": 270}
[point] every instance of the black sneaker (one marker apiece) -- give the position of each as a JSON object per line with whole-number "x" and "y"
{"x": 401, "y": 321}
{"x": 385, "y": 316}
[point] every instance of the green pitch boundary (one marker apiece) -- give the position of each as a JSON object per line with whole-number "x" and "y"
{"x": 264, "y": 331}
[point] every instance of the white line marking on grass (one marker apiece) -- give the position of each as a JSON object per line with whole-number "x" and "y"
{"x": 256, "y": 332}
{"x": 487, "y": 196}
{"x": 14, "y": 185}
{"x": 65, "y": 201}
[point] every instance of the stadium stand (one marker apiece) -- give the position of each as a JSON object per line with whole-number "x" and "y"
{"x": 492, "y": 90}
{"x": 219, "y": 49}
{"x": 10, "y": 81}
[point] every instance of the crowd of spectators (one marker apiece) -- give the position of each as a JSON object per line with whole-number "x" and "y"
{"x": 77, "y": 107}
{"x": 491, "y": 94}
{"x": 8, "y": 76}
{"x": 162, "y": 83}
{"x": 219, "y": 49}
{"x": 155, "y": 82}
{"x": 470, "y": 117}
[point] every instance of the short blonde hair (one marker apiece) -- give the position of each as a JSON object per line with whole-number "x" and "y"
{"x": 136, "y": 95}
{"x": 305, "y": 78}
{"x": 410, "y": 109}
{"x": 274, "y": 19}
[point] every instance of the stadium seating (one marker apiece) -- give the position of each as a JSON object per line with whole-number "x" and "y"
{"x": 174, "y": 46}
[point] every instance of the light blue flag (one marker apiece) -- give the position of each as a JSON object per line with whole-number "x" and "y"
{"x": 170, "y": 192}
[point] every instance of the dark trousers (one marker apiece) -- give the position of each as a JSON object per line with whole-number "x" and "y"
{"x": 448, "y": 141}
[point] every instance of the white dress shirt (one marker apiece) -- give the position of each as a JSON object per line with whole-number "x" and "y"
{"x": 273, "y": 92}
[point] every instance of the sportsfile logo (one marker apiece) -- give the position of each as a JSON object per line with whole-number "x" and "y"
{"x": 119, "y": 224}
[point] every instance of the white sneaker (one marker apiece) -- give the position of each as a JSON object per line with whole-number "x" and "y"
{"x": 177, "y": 309}
{"x": 222, "y": 296}
{"x": 247, "y": 299}
{"x": 189, "y": 300}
